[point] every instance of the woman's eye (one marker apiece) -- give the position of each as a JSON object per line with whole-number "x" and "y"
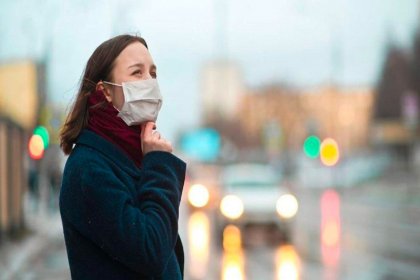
{"x": 153, "y": 74}
{"x": 136, "y": 72}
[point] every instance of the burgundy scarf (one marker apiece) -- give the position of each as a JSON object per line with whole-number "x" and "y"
{"x": 105, "y": 122}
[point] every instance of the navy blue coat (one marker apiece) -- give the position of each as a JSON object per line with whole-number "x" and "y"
{"x": 119, "y": 221}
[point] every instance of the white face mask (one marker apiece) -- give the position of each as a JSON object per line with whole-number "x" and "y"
{"x": 142, "y": 101}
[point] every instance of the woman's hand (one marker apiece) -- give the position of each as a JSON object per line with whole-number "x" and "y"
{"x": 151, "y": 139}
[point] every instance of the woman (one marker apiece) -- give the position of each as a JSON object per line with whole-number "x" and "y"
{"x": 121, "y": 186}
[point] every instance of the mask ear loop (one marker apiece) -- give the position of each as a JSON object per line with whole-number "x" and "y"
{"x": 113, "y": 84}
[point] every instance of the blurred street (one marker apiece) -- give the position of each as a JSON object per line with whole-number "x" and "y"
{"x": 379, "y": 239}
{"x": 40, "y": 252}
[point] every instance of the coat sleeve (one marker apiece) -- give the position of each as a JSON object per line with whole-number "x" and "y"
{"x": 140, "y": 234}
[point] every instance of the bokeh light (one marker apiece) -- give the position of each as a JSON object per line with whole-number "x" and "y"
{"x": 312, "y": 146}
{"x": 36, "y": 147}
{"x": 231, "y": 207}
{"x": 43, "y": 133}
{"x": 199, "y": 244}
{"x": 198, "y": 195}
{"x": 287, "y": 206}
{"x": 329, "y": 152}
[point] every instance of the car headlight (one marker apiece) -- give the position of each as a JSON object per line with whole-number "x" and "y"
{"x": 287, "y": 206}
{"x": 232, "y": 207}
{"x": 198, "y": 195}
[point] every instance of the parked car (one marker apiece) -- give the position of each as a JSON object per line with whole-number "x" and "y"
{"x": 253, "y": 193}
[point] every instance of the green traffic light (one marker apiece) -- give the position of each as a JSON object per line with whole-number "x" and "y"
{"x": 43, "y": 133}
{"x": 311, "y": 147}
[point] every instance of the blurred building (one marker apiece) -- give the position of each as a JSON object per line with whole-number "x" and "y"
{"x": 343, "y": 114}
{"x": 19, "y": 102}
{"x": 396, "y": 116}
{"x": 221, "y": 87}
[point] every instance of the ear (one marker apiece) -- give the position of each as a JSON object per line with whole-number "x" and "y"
{"x": 100, "y": 86}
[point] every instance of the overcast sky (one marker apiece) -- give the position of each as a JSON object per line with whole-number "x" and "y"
{"x": 301, "y": 42}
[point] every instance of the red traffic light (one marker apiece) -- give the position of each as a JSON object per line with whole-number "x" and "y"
{"x": 36, "y": 147}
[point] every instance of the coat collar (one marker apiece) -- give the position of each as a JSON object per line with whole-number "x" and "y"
{"x": 109, "y": 150}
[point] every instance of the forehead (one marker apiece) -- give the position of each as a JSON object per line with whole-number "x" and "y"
{"x": 134, "y": 53}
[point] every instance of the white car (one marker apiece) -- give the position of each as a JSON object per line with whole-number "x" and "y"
{"x": 252, "y": 194}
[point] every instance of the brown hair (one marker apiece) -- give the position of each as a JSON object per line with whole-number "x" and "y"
{"x": 98, "y": 67}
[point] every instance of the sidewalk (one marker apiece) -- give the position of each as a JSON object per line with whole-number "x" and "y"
{"x": 39, "y": 255}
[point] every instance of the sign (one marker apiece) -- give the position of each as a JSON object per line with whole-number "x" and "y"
{"x": 203, "y": 144}
{"x": 18, "y": 93}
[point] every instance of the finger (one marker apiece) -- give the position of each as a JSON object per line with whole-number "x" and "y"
{"x": 146, "y": 129}
{"x": 167, "y": 143}
{"x": 156, "y": 134}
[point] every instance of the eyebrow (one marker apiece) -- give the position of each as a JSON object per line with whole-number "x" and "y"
{"x": 142, "y": 65}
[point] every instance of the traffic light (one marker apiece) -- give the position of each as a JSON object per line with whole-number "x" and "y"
{"x": 43, "y": 133}
{"x": 327, "y": 150}
{"x": 311, "y": 146}
{"x": 330, "y": 153}
{"x": 38, "y": 142}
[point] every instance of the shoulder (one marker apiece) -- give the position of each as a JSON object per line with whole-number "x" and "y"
{"x": 83, "y": 161}
{"x": 85, "y": 155}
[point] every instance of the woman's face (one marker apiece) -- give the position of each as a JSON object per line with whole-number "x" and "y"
{"x": 132, "y": 64}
